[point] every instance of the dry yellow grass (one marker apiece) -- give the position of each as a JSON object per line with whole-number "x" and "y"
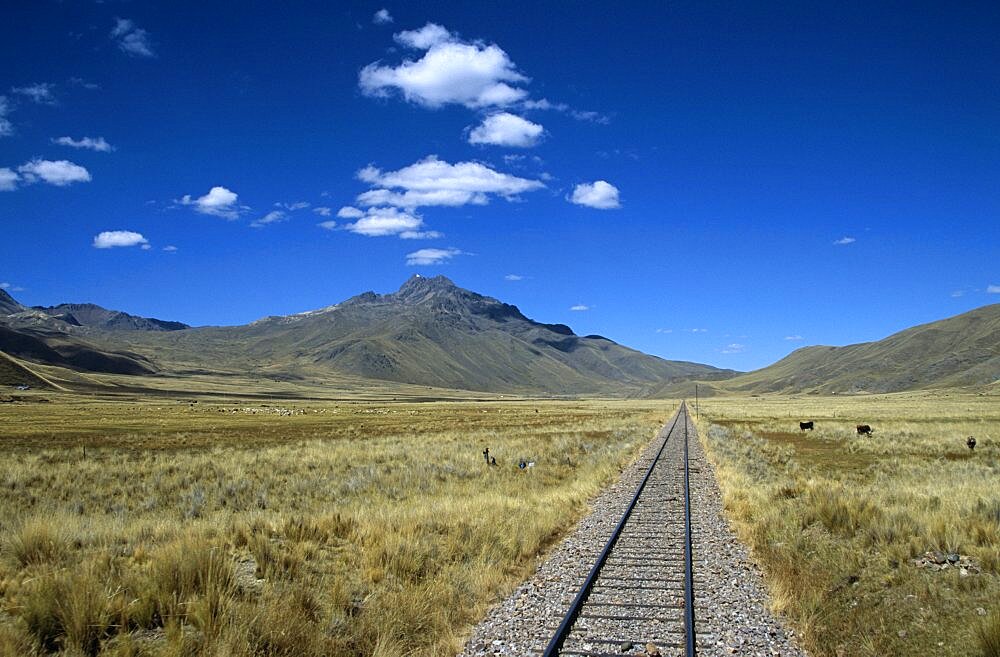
{"x": 171, "y": 528}
{"x": 835, "y": 518}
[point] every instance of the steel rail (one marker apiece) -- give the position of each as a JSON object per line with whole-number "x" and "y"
{"x": 689, "y": 647}
{"x": 556, "y": 643}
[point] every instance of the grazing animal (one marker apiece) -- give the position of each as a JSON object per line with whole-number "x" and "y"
{"x": 486, "y": 455}
{"x": 971, "y": 442}
{"x": 806, "y": 425}
{"x": 864, "y": 430}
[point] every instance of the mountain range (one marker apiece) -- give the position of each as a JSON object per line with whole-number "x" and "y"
{"x": 433, "y": 333}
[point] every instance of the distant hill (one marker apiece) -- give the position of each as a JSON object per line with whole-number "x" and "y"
{"x": 88, "y": 314}
{"x": 429, "y": 332}
{"x": 65, "y": 350}
{"x": 959, "y": 351}
{"x": 7, "y": 304}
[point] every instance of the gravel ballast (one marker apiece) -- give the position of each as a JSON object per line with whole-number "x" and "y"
{"x": 731, "y": 606}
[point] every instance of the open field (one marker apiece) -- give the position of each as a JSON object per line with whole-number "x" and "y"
{"x": 835, "y": 519}
{"x": 165, "y": 527}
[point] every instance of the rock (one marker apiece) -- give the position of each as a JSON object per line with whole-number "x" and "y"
{"x": 901, "y": 634}
{"x": 980, "y": 611}
{"x": 652, "y": 650}
{"x": 626, "y": 646}
{"x": 953, "y": 558}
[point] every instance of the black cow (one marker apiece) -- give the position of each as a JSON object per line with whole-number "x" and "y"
{"x": 864, "y": 430}
{"x": 806, "y": 425}
{"x": 971, "y": 442}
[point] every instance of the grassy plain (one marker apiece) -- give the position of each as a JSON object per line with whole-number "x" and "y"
{"x": 834, "y": 518}
{"x": 164, "y": 527}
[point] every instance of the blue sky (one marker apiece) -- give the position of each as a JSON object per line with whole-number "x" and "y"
{"x": 720, "y": 183}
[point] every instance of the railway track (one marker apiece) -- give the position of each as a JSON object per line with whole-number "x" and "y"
{"x": 640, "y": 591}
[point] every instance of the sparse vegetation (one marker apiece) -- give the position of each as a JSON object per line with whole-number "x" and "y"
{"x": 837, "y": 520}
{"x": 173, "y": 528}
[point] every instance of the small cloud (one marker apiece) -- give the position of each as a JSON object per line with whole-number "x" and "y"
{"x": 993, "y": 289}
{"x": 219, "y": 202}
{"x": 382, "y": 17}
{"x": 697, "y": 330}
{"x": 87, "y": 142}
{"x": 506, "y": 129}
{"x": 434, "y": 182}
{"x": 55, "y": 172}
{"x": 579, "y": 307}
{"x": 734, "y": 348}
{"x": 6, "y": 127}
{"x": 113, "y": 238}
{"x": 11, "y": 287}
{"x": 431, "y": 256}
{"x": 292, "y": 207}
{"x": 546, "y": 104}
{"x": 131, "y": 39}
{"x": 328, "y": 225}
{"x": 323, "y": 211}
{"x": 349, "y": 212}
{"x": 513, "y": 277}
{"x": 420, "y": 235}
{"x": 273, "y": 217}
{"x": 451, "y": 71}
{"x": 86, "y": 84}
{"x": 170, "y": 248}
{"x": 957, "y": 293}
{"x": 663, "y": 330}
{"x": 40, "y": 93}
{"x": 599, "y": 194}
{"x": 844, "y": 240}
{"x": 8, "y": 180}
{"x": 380, "y": 222}
{"x": 793, "y": 338}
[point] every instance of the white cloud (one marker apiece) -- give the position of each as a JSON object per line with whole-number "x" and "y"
{"x": 431, "y": 256}
{"x": 844, "y": 240}
{"x": 113, "y": 238}
{"x": 579, "y": 115}
{"x": 506, "y": 129}
{"x": 734, "y": 348}
{"x": 380, "y": 222}
{"x": 87, "y": 142}
{"x": 513, "y": 277}
{"x": 323, "y": 211}
{"x": 794, "y": 338}
{"x": 170, "y": 248}
{"x": 435, "y": 182}
{"x": 993, "y": 289}
{"x": 6, "y": 127}
{"x": 292, "y": 207}
{"x": 957, "y": 293}
{"x": 328, "y": 225}
{"x": 11, "y": 287}
{"x": 664, "y": 330}
{"x": 580, "y": 307}
{"x": 8, "y": 179}
{"x": 349, "y": 212}
{"x": 424, "y": 38}
{"x": 382, "y": 17}
{"x": 55, "y": 172}
{"x": 219, "y": 202}
{"x": 599, "y": 194}
{"x": 697, "y": 330}
{"x": 450, "y": 72}
{"x": 131, "y": 39}
{"x": 40, "y": 92}
{"x": 420, "y": 235}
{"x": 272, "y": 217}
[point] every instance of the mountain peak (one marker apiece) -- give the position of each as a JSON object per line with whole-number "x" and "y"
{"x": 8, "y": 305}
